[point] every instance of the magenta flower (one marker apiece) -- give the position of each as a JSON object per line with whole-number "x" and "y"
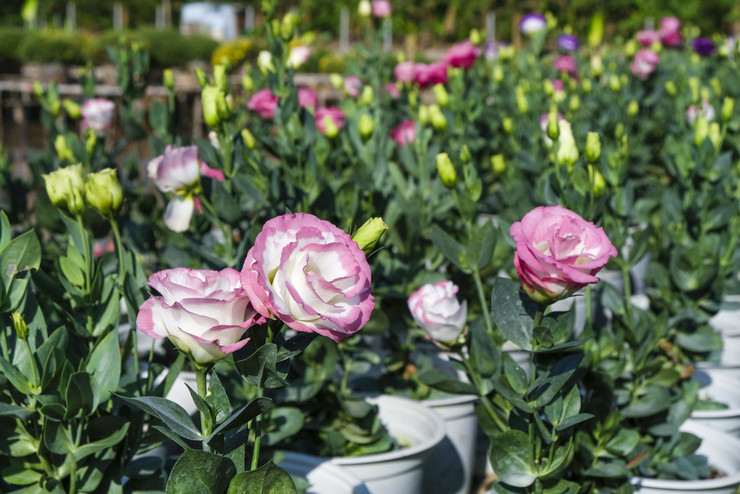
{"x": 353, "y": 85}
{"x": 462, "y": 54}
{"x": 264, "y": 103}
{"x": 97, "y": 114}
{"x": 334, "y": 114}
{"x": 309, "y": 274}
{"x": 381, "y": 8}
{"x": 203, "y": 313}
{"x": 429, "y": 75}
{"x": 647, "y": 37}
{"x": 558, "y": 252}
{"x": 670, "y": 34}
{"x": 404, "y": 133}
{"x": 644, "y": 63}
{"x": 405, "y": 71}
{"x": 566, "y": 63}
{"x": 177, "y": 173}
{"x": 307, "y": 98}
{"x": 436, "y": 309}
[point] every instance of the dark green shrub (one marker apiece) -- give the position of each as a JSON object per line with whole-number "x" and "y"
{"x": 10, "y": 39}
{"x": 53, "y": 46}
{"x": 169, "y": 48}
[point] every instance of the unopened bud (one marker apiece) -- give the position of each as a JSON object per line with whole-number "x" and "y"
{"x": 694, "y": 86}
{"x": 248, "y": 139}
{"x": 498, "y": 73}
{"x": 209, "y": 99}
{"x": 633, "y": 108}
{"x": 701, "y": 130}
{"x": 670, "y": 88}
{"x": 20, "y": 326}
{"x": 220, "y": 79}
{"x": 465, "y": 156}
{"x": 498, "y": 163}
{"x": 264, "y": 62}
{"x": 38, "y": 89}
{"x": 716, "y": 86}
{"x": 728, "y": 108}
{"x": 475, "y": 37}
{"x": 553, "y": 129}
{"x": 202, "y": 78}
{"x": 597, "y": 180}
{"x": 547, "y": 87}
{"x": 55, "y": 107}
{"x": 521, "y": 100}
{"x": 287, "y": 27}
{"x": 91, "y": 140}
{"x": 619, "y": 131}
{"x": 439, "y": 121}
{"x": 63, "y": 152}
{"x": 575, "y": 103}
{"x": 247, "y": 83}
{"x": 715, "y": 135}
{"x": 567, "y": 150}
{"x": 446, "y": 171}
{"x": 423, "y": 114}
{"x": 364, "y": 9}
{"x": 508, "y": 125}
{"x": 103, "y": 191}
{"x": 614, "y": 83}
{"x": 330, "y": 128}
{"x": 440, "y": 93}
{"x": 586, "y": 85}
{"x": 369, "y": 233}
{"x": 597, "y": 66}
{"x": 168, "y": 79}
{"x": 73, "y": 109}
{"x": 593, "y": 147}
{"x": 366, "y": 97}
{"x": 366, "y": 125}
{"x": 630, "y": 48}
{"x": 337, "y": 81}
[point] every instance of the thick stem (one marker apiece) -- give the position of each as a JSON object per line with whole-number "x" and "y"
{"x": 257, "y": 435}
{"x": 201, "y": 374}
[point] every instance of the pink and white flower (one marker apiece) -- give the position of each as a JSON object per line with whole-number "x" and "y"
{"x": 307, "y": 98}
{"x": 647, "y": 37}
{"x": 353, "y": 85}
{"x": 97, "y": 114}
{"x": 336, "y": 115}
{"x": 203, "y": 313}
{"x": 670, "y": 31}
{"x": 405, "y": 71}
{"x": 177, "y": 173}
{"x": 644, "y": 63}
{"x": 309, "y": 274}
{"x": 705, "y": 110}
{"x": 558, "y": 252}
{"x": 264, "y": 103}
{"x": 436, "y": 309}
{"x": 381, "y": 8}
{"x": 404, "y": 133}
{"x": 298, "y": 56}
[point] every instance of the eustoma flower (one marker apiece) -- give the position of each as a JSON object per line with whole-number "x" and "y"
{"x": 381, "y": 8}
{"x": 644, "y": 63}
{"x": 203, "y": 313}
{"x": 309, "y": 274}
{"x": 670, "y": 31}
{"x": 429, "y": 75}
{"x": 558, "y": 252}
{"x": 329, "y": 120}
{"x": 178, "y": 172}
{"x": 264, "y": 103}
{"x": 97, "y": 114}
{"x": 436, "y": 309}
{"x": 532, "y": 23}
{"x": 462, "y": 54}
{"x": 404, "y": 133}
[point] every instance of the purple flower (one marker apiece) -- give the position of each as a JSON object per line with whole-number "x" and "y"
{"x": 703, "y": 46}
{"x": 568, "y": 43}
{"x": 309, "y": 274}
{"x": 532, "y": 23}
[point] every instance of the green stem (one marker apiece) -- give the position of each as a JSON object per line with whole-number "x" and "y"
{"x": 483, "y": 303}
{"x": 257, "y": 435}
{"x": 34, "y": 371}
{"x": 487, "y": 404}
{"x": 201, "y": 374}
{"x": 627, "y": 292}
{"x": 588, "y": 307}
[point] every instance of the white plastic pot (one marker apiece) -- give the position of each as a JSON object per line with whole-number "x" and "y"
{"x": 727, "y": 323}
{"x": 324, "y": 477}
{"x": 400, "y": 471}
{"x": 723, "y": 452}
{"x": 718, "y": 387}
{"x": 180, "y": 394}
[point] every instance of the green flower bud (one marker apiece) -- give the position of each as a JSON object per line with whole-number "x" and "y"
{"x": 202, "y": 78}
{"x": 366, "y": 125}
{"x": 210, "y": 100}
{"x": 553, "y": 129}
{"x": 20, "y": 326}
{"x": 498, "y": 73}
{"x": 508, "y": 125}
{"x": 63, "y": 152}
{"x": 614, "y": 83}
{"x": 247, "y": 83}
{"x": 619, "y": 131}
{"x": 73, "y": 109}
{"x": 547, "y": 87}
{"x": 168, "y": 79}
{"x": 728, "y": 108}
{"x": 633, "y": 108}
{"x": 38, "y": 89}
{"x": 715, "y": 135}
{"x": 423, "y": 114}
{"x": 521, "y": 100}
{"x": 364, "y": 9}
{"x": 623, "y": 80}
{"x": 716, "y": 86}
{"x": 465, "y": 156}
{"x": 596, "y": 30}
{"x": 366, "y": 97}
{"x": 694, "y": 86}
{"x": 337, "y": 81}
{"x": 287, "y": 27}
{"x": 248, "y": 139}
{"x": 446, "y": 171}
{"x": 91, "y": 140}
{"x": 369, "y": 233}
{"x": 630, "y": 48}
{"x": 586, "y": 85}
{"x": 670, "y": 88}
{"x": 55, "y": 107}
{"x": 567, "y": 150}
{"x": 498, "y": 163}
{"x": 330, "y": 127}
{"x": 704, "y": 93}
{"x": 440, "y": 93}
{"x": 657, "y": 47}
{"x": 593, "y": 147}
{"x": 597, "y": 66}
{"x": 439, "y": 121}
{"x": 575, "y": 103}
{"x": 475, "y": 37}
{"x": 597, "y": 180}
{"x": 506, "y": 52}
{"x": 220, "y": 78}
{"x": 701, "y": 130}
{"x": 103, "y": 191}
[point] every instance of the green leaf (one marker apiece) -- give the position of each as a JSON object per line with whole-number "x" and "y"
{"x": 283, "y": 423}
{"x": 623, "y": 442}
{"x": 97, "y": 446}
{"x": 449, "y": 247}
{"x": 105, "y": 365}
{"x": 5, "y": 232}
{"x": 437, "y": 379}
{"x": 515, "y": 374}
{"x": 484, "y": 353}
{"x": 81, "y": 395}
{"x": 17, "y": 258}
{"x": 201, "y": 472}
{"x": 608, "y": 469}
{"x": 217, "y": 399}
{"x": 558, "y": 375}
{"x": 21, "y": 476}
{"x": 513, "y": 312}
{"x": 260, "y": 367}
{"x": 512, "y": 458}
{"x": 481, "y": 245}
{"x": 267, "y": 479}
{"x": 10, "y": 410}
{"x": 16, "y": 378}
{"x": 171, "y": 414}
{"x": 653, "y": 399}
{"x": 243, "y": 415}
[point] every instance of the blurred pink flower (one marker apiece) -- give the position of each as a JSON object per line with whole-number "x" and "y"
{"x": 97, "y": 114}
{"x": 647, "y": 37}
{"x": 381, "y": 8}
{"x": 353, "y": 85}
{"x": 670, "y": 34}
{"x": 566, "y": 63}
{"x": 392, "y": 90}
{"x": 404, "y": 133}
{"x": 462, "y": 54}
{"x": 405, "y": 71}
{"x": 429, "y": 75}
{"x": 264, "y": 103}
{"x": 644, "y": 63}
{"x": 335, "y": 114}
{"x": 307, "y": 98}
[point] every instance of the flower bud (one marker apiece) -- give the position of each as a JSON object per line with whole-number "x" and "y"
{"x": 248, "y": 139}
{"x": 506, "y": 52}
{"x": 38, "y": 89}
{"x": 567, "y": 150}
{"x": 55, "y": 107}
{"x": 202, "y": 77}
{"x": 331, "y": 129}
{"x": 440, "y": 93}
{"x": 73, "y": 109}
{"x": 553, "y": 129}
{"x": 715, "y": 135}
{"x": 614, "y": 83}
{"x": 521, "y": 100}
{"x": 701, "y": 130}
{"x": 337, "y": 81}
{"x": 728, "y": 108}
{"x": 168, "y": 79}
{"x": 220, "y": 79}
{"x": 209, "y": 99}
{"x": 619, "y": 131}
{"x": 465, "y": 156}
{"x": 704, "y": 93}
{"x": 366, "y": 97}
{"x": 423, "y": 114}
{"x": 694, "y": 86}
{"x": 633, "y": 108}
{"x": 593, "y": 147}
{"x": 20, "y": 326}
{"x": 716, "y": 86}
{"x": 508, "y": 125}
{"x": 264, "y": 62}
{"x": 575, "y": 103}
{"x": 630, "y": 48}
{"x": 586, "y": 85}
{"x": 369, "y": 233}
{"x": 597, "y": 180}
{"x": 247, "y": 83}
{"x": 63, "y": 152}
{"x": 65, "y": 187}
{"x": 366, "y": 125}
{"x": 91, "y": 140}
{"x": 439, "y": 121}
{"x": 547, "y": 87}
{"x": 446, "y": 171}
{"x": 287, "y": 27}
{"x": 498, "y": 73}
{"x": 103, "y": 191}
{"x": 364, "y": 9}
{"x": 475, "y": 37}
{"x": 498, "y": 163}
{"x": 670, "y": 88}
{"x": 597, "y": 66}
